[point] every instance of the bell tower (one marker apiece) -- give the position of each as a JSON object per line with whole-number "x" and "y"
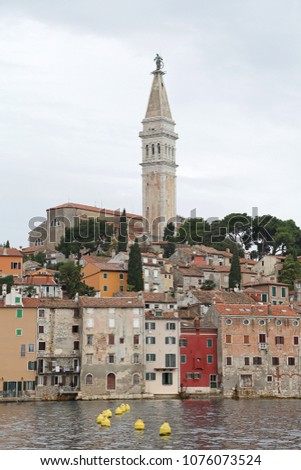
{"x": 158, "y": 159}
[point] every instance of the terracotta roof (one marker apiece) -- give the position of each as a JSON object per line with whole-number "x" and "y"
{"x": 158, "y": 297}
{"x": 110, "y": 267}
{"x": 84, "y": 207}
{"x": 10, "y": 252}
{"x": 248, "y": 261}
{"x": 96, "y": 259}
{"x": 35, "y": 281}
{"x": 105, "y": 302}
{"x": 220, "y": 296}
{"x": 190, "y": 271}
{"x": 256, "y": 310}
{"x": 58, "y": 303}
{"x": 264, "y": 283}
{"x": 28, "y": 302}
{"x": 33, "y": 249}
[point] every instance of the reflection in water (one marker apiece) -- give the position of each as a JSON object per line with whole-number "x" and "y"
{"x": 196, "y": 424}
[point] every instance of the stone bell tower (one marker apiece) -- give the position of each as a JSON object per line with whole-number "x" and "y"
{"x": 158, "y": 159}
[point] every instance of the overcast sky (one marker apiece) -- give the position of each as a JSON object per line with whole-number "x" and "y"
{"x": 74, "y": 84}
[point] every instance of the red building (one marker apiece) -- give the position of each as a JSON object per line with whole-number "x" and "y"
{"x": 198, "y": 357}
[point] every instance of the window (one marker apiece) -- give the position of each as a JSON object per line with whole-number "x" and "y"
{"x": 19, "y": 312}
{"x": 264, "y": 297}
{"x": 136, "y": 358}
{"x": 261, "y": 322}
{"x": 15, "y": 265}
{"x": 246, "y": 381}
{"x": 183, "y": 358}
{"x": 275, "y": 361}
{"x": 150, "y": 357}
{"x": 18, "y": 332}
{"x": 295, "y": 323}
{"x": 170, "y": 360}
{"x": 228, "y": 321}
{"x": 31, "y": 347}
{"x": 290, "y": 361}
{"x": 111, "y": 322}
{"x": 75, "y": 345}
{"x": 75, "y": 328}
{"x": 170, "y": 340}
{"x": 278, "y": 322}
{"x": 283, "y": 292}
{"x": 229, "y": 361}
{"x": 111, "y": 358}
{"x": 90, "y": 339}
{"x": 279, "y": 339}
{"x": 246, "y": 322}
{"x": 247, "y": 361}
{"x": 209, "y": 359}
{"x": 228, "y": 339}
{"x": 136, "y": 339}
{"x": 121, "y": 340}
{"x": 111, "y": 381}
{"x": 105, "y": 275}
{"x": 213, "y": 381}
{"x": 121, "y": 276}
{"x": 41, "y": 313}
{"x": 170, "y": 326}
{"x": 262, "y": 338}
{"x": 296, "y": 340}
{"x": 89, "y": 379}
{"x": 246, "y": 339}
{"x": 121, "y": 288}
{"x": 41, "y": 329}
{"x": 89, "y": 358}
{"x": 150, "y": 340}
{"x": 23, "y": 350}
{"x": 136, "y": 323}
{"x": 209, "y": 343}
{"x": 90, "y": 322}
{"x": 150, "y": 376}
{"x": 183, "y": 343}
{"x": 257, "y": 361}
{"x": 31, "y": 365}
{"x": 42, "y": 346}
{"x": 167, "y": 378}
{"x": 150, "y": 325}
{"x": 269, "y": 378}
{"x": 105, "y": 288}
{"x": 274, "y": 291}
{"x": 111, "y": 339}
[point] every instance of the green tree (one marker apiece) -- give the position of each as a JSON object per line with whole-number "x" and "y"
{"x": 208, "y": 285}
{"x": 123, "y": 233}
{"x": 7, "y": 244}
{"x": 290, "y": 272}
{"x": 71, "y": 277}
{"x": 169, "y": 247}
{"x": 135, "y": 273}
{"x": 9, "y": 281}
{"x": 235, "y": 273}
{"x": 85, "y": 237}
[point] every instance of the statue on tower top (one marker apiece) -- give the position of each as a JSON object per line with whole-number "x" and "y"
{"x": 159, "y": 63}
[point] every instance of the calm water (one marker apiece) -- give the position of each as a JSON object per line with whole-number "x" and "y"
{"x": 196, "y": 424}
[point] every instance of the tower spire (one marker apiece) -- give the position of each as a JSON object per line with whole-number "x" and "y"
{"x": 158, "y": 158}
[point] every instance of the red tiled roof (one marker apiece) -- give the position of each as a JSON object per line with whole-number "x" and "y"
{"x": 33, "y": 249}
{"x": 84, "y": 207}
{"x": 158, "y": 297}
{"x": 105, "y": 302}
{"x": 264, "y": 283}
{"x": 10, "y": 252}
{"x": 35, "y": 281}
{"x": 256, "y": 310}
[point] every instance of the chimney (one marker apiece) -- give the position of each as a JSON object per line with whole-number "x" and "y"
{"x": 197, "y": 323}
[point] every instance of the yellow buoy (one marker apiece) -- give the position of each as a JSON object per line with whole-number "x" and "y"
{"x": 139, "y": 425}
{"x": 127, "y": 407}
{"x": 118, "y": 411}
{"x": 106, "y": 422}
{"x": 107, "y": 413}
{"x": 165, "y": 429}
{"x": 123, "y": 407}
{"x": 100, "y": 418}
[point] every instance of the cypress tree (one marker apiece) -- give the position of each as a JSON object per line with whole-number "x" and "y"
{"x": 135, "y": 276}
{"x": 235, "y": 273}
{"x": 123, "y": 233}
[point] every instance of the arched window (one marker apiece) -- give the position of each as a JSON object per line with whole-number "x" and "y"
{"x": 89, "y": 379}
{"x": 111, "y": 381}
{"x": 153, "y": 149}
{"x": 136, "y": 379}
{"x": 173, "y": 151}
{"x": 159, "y": 148}
{"x": 146, "y": 150}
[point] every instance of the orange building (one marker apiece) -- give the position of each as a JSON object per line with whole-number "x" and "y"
{"x": 11, "y": 262}
{"x": 18, "y": 333}
{"x": 106, "y": 277}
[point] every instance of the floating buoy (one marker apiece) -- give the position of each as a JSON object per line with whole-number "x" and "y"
{"x": 127, "y": 407}
{"x": 118, "y": 411}
{"x": 100, "y": 418}
{"x": 106, "y": 422}
{"x": 165, "y": 429}
{"x": 123, "y": 407}
{"x": 139, "y": 425}
{"x": 107, "y": 413}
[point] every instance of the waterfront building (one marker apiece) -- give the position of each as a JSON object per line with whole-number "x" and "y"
{"x": 105, "y": 277}
{"x": 112, "y": 347}
{"x": 258, "y": 349}
{"x": 11, "y": 262}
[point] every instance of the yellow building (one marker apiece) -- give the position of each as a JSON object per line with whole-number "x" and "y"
{"x": 18, "y": 330}
{"x": 11, "y": 262}
{"x": 106, "y": 277}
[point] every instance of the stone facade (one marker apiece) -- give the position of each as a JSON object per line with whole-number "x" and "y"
{"x": 158, "y": 162}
